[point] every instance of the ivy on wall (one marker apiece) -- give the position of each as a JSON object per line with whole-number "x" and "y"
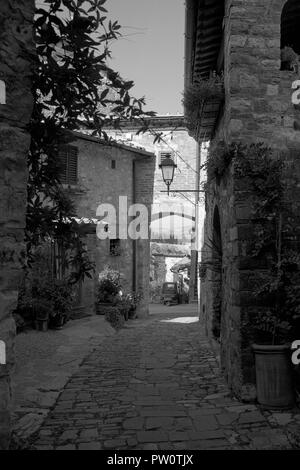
{"x": 260, "y": 174}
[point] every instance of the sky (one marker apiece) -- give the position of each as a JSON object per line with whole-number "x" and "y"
{"x": 151, "y": 51}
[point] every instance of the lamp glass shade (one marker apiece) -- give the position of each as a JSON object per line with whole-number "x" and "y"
{"x": 168, "y": 167}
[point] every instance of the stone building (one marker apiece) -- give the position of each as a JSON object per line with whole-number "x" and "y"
{"x": 243, "y": 40}
{"x": 16, "y": 17}
{"x": 171, "y": 233}
{"x": 98, "y": 173}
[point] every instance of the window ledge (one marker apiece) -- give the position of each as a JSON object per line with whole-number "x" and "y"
{"x": 74, "y": 188}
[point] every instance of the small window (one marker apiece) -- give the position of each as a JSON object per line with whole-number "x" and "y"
{"x": 165, "y": 154}
{"x": 68, "y": 156}
{"x": 113, "y": 164}
{"x": 115, "y": 247}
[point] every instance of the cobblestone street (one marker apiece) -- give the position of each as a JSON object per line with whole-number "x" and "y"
{"x": 156, "y": 385}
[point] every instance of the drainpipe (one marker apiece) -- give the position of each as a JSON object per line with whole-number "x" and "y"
{"x": 133, "y": 241}
{"x": 197, "y": 221}
{"x": 195, "y": 248}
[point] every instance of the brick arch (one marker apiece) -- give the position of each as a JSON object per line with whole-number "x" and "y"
{"x": 217, "y": 255}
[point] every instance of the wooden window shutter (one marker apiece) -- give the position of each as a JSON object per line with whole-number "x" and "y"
{"x": 68, "y": 155}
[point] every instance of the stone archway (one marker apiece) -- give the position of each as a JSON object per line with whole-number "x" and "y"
{"x": 290, "y": 39}
{"x": 217, "y": 253}
{"x": 290, "y": 21}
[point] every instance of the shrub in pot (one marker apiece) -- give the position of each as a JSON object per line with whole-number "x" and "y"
{"x": 108, "y": 288}
{"x": 133, "y": 299}
{"x": 114, "y": 317}
{"x": 61, "y": 299}
{"x": 19, "y": 321}
{"x": 42, "y": 312}
{"x": 272, "y": 362}
{"x": 136, "y": 298}
{"x": 124, "y": 305}
{"x": 55, "y": 294}
{"x": 272, "y": 331}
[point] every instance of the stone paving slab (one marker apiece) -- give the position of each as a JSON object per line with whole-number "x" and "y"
{"x": 157, "y": 386}
{"x": 45, "y": 361}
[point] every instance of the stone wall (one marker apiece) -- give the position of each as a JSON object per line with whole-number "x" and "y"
{"x": 16, "y": 18}
{"x": 175, "y": 138}
{"x": 100, "y": 183}
{"x": 220, "y": 285}
{"x": 258, "y": 108}
{"x": 144, "y": 170}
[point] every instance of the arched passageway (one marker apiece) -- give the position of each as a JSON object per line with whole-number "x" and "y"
{"x": 290, "y": 37}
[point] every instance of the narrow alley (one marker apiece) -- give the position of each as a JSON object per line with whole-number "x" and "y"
{"x": 156, "y": 385}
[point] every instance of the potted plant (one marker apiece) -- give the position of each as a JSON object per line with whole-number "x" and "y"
{"x": 274, "y": 329}
{"x": 123, "y": 303}
{"x": 61, "y": 299}
{"x": 200, "y": 95}
{"x": 273, "y": 366}
{"x": 42, "y": 313}
{"x": 114, "y": 317}
{"x": 108, "y": 288}
{"x": 135, "y": 298}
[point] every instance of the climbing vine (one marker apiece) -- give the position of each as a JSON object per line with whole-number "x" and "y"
{"x": 260, "y": 174}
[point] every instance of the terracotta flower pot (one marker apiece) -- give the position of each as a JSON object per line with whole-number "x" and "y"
{"x": 274, "y": 376}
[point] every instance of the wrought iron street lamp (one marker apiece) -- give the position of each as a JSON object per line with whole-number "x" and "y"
{"x": 167, "y": 167}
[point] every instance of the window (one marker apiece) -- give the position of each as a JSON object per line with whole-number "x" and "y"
{"x": 115, "y": 247}
{"x": 113, "y": 164}
{"x": 68, "y": 156}
{"x": 165, "y": 154}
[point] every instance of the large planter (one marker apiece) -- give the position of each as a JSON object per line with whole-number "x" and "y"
{"x": 274, "y": 376}
{"x": 132, "y": 313}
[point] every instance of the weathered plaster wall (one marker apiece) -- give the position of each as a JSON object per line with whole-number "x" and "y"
{"x": 99, "y": 183}
{"x": 221, "y": 282}
{"x": 144, "y": 171}
{"x": 16, "y": 18}
{"x": 173, "y": 139}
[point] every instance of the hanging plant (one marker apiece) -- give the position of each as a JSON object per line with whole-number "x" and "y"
{"x": 201, "y": 92}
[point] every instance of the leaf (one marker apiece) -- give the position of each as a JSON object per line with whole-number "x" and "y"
{"x": 104, "y": 94}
